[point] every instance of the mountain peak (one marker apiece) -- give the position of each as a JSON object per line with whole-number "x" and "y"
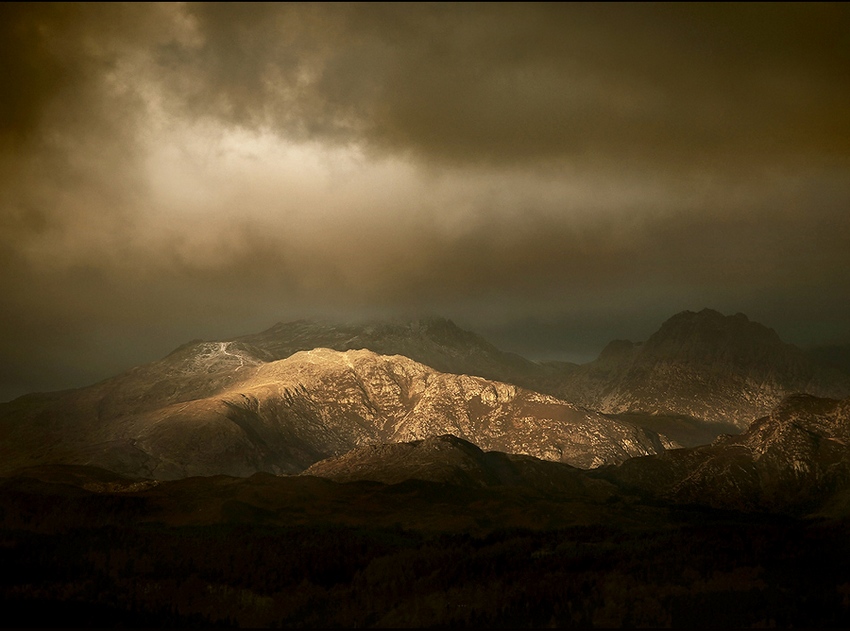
{"x": 704, "y": 365}
{"x": 434, "y": 341}
{"x": 435, "y": 328}
{"x": 709, "y": 316}
{"x": 617, "y": 351}
{"x": 709, "y": 332}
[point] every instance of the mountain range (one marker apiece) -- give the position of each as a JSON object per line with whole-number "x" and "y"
{"x": 796, "y": 460}
{"x": 281, "y": 400}
{"x": 218, "y": 408}
{"x": 270, "y": 481}
{"x": 701, "y": 374}
{"x": 435, "y": 342}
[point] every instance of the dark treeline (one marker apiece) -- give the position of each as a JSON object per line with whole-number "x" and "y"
{"x": 704, "y": 573}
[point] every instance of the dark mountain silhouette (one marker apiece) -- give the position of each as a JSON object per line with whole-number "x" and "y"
{"x": 451, "y": 460}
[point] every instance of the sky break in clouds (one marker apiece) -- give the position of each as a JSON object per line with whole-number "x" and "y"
{"x": 582, "y": 172}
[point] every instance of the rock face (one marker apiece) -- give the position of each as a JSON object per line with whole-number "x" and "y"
{"x": 220, "y": 407}
{"x": 702, "y": 365}
{"x": 796, "y": 459}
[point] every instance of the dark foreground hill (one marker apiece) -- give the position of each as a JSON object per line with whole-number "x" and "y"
{"x": 450, "y": 460}
{"x": 437, "y": 532}
{"x": 83, "y": 547}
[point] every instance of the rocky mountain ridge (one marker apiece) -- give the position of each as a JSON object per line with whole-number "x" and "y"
{"x": 214, "y": 408}
{"x": 435, "y": 342}
{"x": 237, "y": 407}
{"x": 796, "y": 460}
{"x": 701, "y": 374}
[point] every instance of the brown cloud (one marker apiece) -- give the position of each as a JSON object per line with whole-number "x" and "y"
{"x": 168, "y": 172}
{"x": 513, "y": 83}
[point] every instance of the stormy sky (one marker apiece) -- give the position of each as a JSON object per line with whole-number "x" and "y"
{"x": 550, "y": 176}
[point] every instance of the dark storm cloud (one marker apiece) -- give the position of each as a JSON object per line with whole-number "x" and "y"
{"x": 509, "y": 82}
{"x": 169, "y": 172}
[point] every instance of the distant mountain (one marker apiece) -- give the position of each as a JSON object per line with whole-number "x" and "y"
{"x": 710, "y": 367}
{"x": 435, "y": 342}
{"x": 220, "y": 407}
{"x": 260, "y": 403}
{"x": 796, "y": 459}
